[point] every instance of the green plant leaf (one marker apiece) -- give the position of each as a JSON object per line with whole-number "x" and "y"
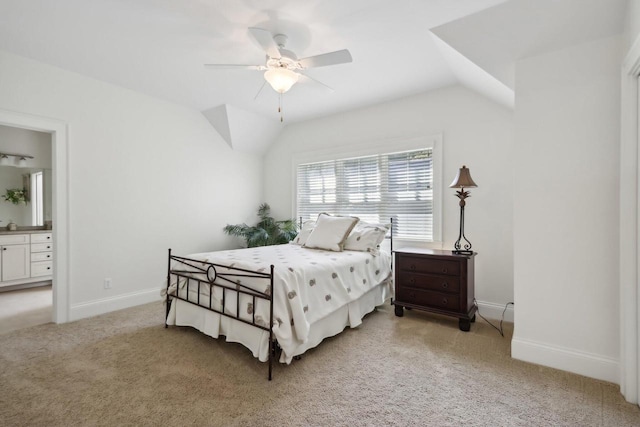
{"x": 267, "y": 231}
{"x": 16, "y": 196}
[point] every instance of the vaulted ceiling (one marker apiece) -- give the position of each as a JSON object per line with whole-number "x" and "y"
{"x": 403, "y": 47}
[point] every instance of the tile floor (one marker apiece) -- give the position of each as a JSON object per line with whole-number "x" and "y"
{"x": 25, "y": 307}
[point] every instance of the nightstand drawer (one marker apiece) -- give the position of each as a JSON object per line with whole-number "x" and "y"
{"x": 429, "y": 298}
{"x": 430, "y": 282}
{"x": 437, "y": 266}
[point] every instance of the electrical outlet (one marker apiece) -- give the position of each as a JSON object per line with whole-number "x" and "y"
{"x": 107, "y": 283}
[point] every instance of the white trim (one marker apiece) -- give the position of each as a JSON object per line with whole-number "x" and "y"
{"x": 118, "y": 302}
{"x": 491, "y": 310}
{"x": 380, "y": 146}
{"x": 631, "y": 63}
{"x": 59, "y": 140}
{"x": 582, "y": 363}
{"x": 629, "y": 296}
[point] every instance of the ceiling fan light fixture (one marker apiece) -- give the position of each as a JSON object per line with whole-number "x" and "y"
{"x": 281, "y": 79}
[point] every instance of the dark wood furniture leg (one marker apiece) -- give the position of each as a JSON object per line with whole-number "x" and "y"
{"x": 399, "y": 310}
{"x": 464, "y": 324}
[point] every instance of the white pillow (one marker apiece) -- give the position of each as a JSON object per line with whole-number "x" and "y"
{"x": 305, "y": 231}
{"x": 366, "y": 237}
{"x": 330, "y": 232}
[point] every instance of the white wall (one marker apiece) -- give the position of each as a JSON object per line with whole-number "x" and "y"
{"x": 144, "y": 175}
{"x": 476, "y": 132}
{"x": 566, "y": 208}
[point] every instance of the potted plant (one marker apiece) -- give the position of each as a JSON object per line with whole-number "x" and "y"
{"x": 266, "y": 232}
{"x": 16, "y": 196}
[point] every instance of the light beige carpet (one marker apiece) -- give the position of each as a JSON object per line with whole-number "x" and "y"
{"x": 124, "y": 368}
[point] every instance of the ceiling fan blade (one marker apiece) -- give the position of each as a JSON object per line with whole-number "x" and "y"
{"x": 235, "y": 66}
{"x": 265, "y": 39}
{"x": 316, "y": 81}
{"x": 332, "y": 58}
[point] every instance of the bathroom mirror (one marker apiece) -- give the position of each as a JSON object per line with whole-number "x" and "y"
{"x": 37, "y": 182}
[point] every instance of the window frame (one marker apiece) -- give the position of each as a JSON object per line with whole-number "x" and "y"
{"x": 382, "y": 147}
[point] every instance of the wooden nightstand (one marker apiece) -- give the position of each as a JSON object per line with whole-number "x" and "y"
{"x": 436, "y": 281}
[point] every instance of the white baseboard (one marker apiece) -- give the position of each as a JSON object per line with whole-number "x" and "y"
{"x": 118, "y": 302}
{"x": 494, "y": 311}
{"x": 582, "y": 363}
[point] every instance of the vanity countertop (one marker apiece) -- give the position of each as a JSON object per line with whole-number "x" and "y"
{"x": 25, "y": 230}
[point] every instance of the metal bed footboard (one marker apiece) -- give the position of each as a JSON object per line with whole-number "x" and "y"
{"x": 227, "y": 279}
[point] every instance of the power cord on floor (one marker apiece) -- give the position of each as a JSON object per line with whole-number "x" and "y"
{"x": 500, "y": 330}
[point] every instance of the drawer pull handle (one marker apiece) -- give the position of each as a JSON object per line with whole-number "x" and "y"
{"x": 444, "y": 270}
{"x": 412, "y": 267}
{"x": 444, "y": 300}
{"x": 48, "y": 247}
{"x": 48, "y": 256}
{"x": 412, "y": 280}
{"x": 445, "y": 285}
{"x": 48, "y": 237}
{"x": 48, "y": 268}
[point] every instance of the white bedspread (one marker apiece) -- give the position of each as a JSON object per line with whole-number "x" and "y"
{"x": 309, "y": 285}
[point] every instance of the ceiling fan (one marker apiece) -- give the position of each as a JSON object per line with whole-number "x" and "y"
{"x": 283, "y": 68}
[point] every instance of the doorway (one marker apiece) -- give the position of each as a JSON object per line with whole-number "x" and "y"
{"x": 25, "y": 278}
{"x": 59, "y": 208}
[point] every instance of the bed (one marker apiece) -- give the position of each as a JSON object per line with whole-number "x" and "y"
{"x": 283, "y": 299}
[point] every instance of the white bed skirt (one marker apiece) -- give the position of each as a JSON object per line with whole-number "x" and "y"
{"x": 185, "y": 314}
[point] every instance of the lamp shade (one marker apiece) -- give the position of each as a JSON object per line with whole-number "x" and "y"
{"x": 21, "y": 162}
{"x": 4, "y": 160}
{"x": 281, "y": 79}
{"x": 463, "y": 179}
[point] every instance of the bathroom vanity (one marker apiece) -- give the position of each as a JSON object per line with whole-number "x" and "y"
{"x": 26, "y": 256}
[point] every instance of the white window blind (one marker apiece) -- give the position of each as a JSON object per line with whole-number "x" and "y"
{"x": 373, "y": 188}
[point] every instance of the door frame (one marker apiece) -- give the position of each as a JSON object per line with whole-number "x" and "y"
{"x": 60, "y": 213}
{"x": 629, "y": 230}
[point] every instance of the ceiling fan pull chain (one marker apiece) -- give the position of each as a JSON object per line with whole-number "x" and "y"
{"x": 280, "y": 108}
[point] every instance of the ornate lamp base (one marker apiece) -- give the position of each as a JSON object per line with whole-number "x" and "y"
{"x": 462, "y": 245}
{"x": 462, "y": 252}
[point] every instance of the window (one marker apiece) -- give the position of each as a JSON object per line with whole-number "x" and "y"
{"x": 37, "y": 191}
{"x": 374, "y": 188}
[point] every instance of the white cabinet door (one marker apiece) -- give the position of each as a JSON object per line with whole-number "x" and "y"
{"x": 16, "y": 262}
